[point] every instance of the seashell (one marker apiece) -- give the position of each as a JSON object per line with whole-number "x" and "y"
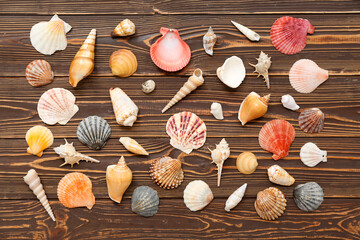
{"x": 170, "y": 52}
{"x": 288, "y": 34}
{"x": 93, "y": 131}
{"x": 235, "y": 198}
{"x": 311, "y": 155}
{"x": 83, "y": 63}
{"x": 70, "y": 155}
{"x": 187, "y": 131}
{"x": 219, "y": 155}
{"x": 270, "y": 203}
{"x": 197, "y": 195}
{"x": 145, "y": 201}
{"x": 253, "y": 107}
{"x": 118, "y": 179}
{"x": 124, "y": 28}
{"x": 311, "y": 120}
{"x": 32, "y": 179}
{"x": 246, "y": 163}
{"x": 57, "y": 105}
{"x": 133, "y": 146}
{"x": 38, "y": 138}
{"x": 250, "y": 34}
{"x": 167, "y": 172}
{"x": 148, "y": 86}
{"x": 124, "y": 108}
{"x": 216, "y": 111}
{"x": 48, "y": 37}
{"x": 289, "y": 102}
{"x": 308, "y": 196}
{"x": 305, "y": 76}
{"x": 280, "y": 176}
{"x": 262, "y": 67}
{"x": 38, "y": 73}
{"x": 190, "y": 85}
{"x": 123, "y": 63}
{"x": 232, "y": 72}
{"x": 75, "y": 190}
{"x": 209, "y": 41}
{"x": 276, "y": 136}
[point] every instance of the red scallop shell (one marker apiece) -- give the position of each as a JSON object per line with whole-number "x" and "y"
{"x": 311, "y": 120}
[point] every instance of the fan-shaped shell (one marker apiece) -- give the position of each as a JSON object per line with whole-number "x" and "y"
{"x": 133, "y": 146}
{"x": 232, "y": 72}
{"x": 93, "y": 131}
{"x": 311, "y": 155}
{"x": 280, "y": 176}
{"x": 75, "y": 190}
{"x": 197, "y": 195}
{"x": 123, "y": 63}
{"x": 170, "y": 52}
{"x": 38, "y": 138}
{"x": 124, "y": 108}
{"x": 246, "y": 163}
{"x": 187, "y": 131}
{"x": 57, "y": 105}
{"x": 270, "y": 203}
{"x": 145, "y": 201}
{"x": 276, "y": 136}
{"x": 124, "y": 28}
{"x": 209, "y": 41}
{"x": 289, "y": 102}
{"x": 167, "y": 172}
{"x": 309, "y": 196}
{"x": 38, "y": 73}
{"x": 311, "y": 120}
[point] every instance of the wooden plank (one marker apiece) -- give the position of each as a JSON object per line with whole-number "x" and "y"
{"x": 26, "y": 219}
{"x": 334, "y": 45}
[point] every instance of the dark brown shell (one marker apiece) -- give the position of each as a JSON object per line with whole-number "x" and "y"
{"x": 311, "y": 120}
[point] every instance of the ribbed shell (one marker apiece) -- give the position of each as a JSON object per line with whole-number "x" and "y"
{"x": 124, "y": 108}
{"x": 123, "y": 63}
{"x": 167, "y": 172}
{"x": 270, "y": 203}
{"x": 38, "y": 73}
{"x": 93, "y": 131}
{"x": 133, "y": 146}
{"x": 124, "y": 28}
{"x": 311, "y": 155}
{"x": 309, "y": 196}
{"x": 197, "y": 195}
{"x": 280, "y": 176}
{"x": 145, "y": 201}
{"x": 209, "y": 41}
{"x": 38, "y": 138}
{"x": 246, "y": 163}
{"x": 311, "y": 120}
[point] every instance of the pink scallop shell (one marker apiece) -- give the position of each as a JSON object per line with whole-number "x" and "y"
{"x": 311, "y": 120}
{"x": 38, "y": 73}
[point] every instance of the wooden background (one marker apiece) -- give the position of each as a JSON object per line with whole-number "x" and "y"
{"x": 334, "y": 46}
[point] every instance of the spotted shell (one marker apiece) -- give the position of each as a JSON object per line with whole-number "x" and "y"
{"x": 167, "y": 172}
{"x": 311, "y": 120}
{"x": 270, "y": 203}
{"x": 38, "y": 73}
{"x": 93, "y": 131}
{"x": 309, "y": 196}
{"x": 145, "y": 201}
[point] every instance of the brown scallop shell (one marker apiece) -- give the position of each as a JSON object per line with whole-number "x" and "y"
{"x": 270, "y": 203}
{"x": 167, "y": 172}
{"x": 311, "y": 120}
{"x": 38, "y": 73}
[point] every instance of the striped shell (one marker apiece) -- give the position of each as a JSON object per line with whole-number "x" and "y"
{"x": 311, "y": 155}
{"x": 133, "y": 146}
{"x": 246, "y": 163}
{"x": 93, "y": 131}
{"x": 167, "y": 172}
{"x": 280, "y": 176}
{"x": 124, "y": 108}
{"x": 309, "y": 196}
{"x": 145, "y": 201}
{"x": 311, "y": 120}
{"x": 270, "y": 203}
{"x": 38, "y": 138}
{"x": 38, "y": 73}
{"x": 197, "y": 195}
{"x": 123, "y": 63}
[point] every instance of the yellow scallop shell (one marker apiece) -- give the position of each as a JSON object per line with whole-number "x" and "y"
{"x": 246, "y": 163}
{"x": 38, "y": 138}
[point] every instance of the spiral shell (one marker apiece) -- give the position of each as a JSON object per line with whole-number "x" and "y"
{"x": 145, "y": 201}
{"x": 38, "y": 138}
{"x": 38, "y": 73}
{"x": 148, "y": 86}
{"x": 309, "y": 196}
{"x": 197, "y": 195}
{"x": 219, "y": 155}
{"x": 254, "y": 106}
{"x": 311, "y": 155}
{"x": 124, "y": 28}
{"x": 280, "y": 176}
{"x": 311, "y": 120}
{"x": 235, "y": 198}
{"x": 93, "y": 131}
{"x": 270, "y": 203}
{"x": 167, "y": 172}
{"x": 124, "y": 108}
{"x": 123, "y": 63}
{"x": 246, "y": 163}
{"x": 209, "y": 41}
{"x": 262, "y": 67}
{"x": 250, "y": 34}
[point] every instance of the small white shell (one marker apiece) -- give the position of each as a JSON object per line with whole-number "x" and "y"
{"x": 219, "y": 155}
{"x": 235, "y": 198}
{"x": 280, "y": 176}
{"x": 311, "y": 155}
{"x": 216, "y": 111}
{"x": 250, "y": 34}
{"x": 209, "y": 41}
{"x": 197, "y": 195}
{"x": 232, "y": 72}
{"x": 148, "y": 86}
{"x": 289, "y": 102}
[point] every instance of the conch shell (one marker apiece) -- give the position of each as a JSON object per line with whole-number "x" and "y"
{"x": 232, "y": 72}
{"x": 250, "y": 34}
{"x": 124, "y": 108}
{"x": 123, "y": 63}
{"x": 235, "y": 198}
{"x": 124, "y": 28}
{"x": 262, "y": 67}
{"x": 209, "y": 41}
{"x": 280, "y": 176}
{"x": 216, "y": 111}
{"x": 133, "y": 146}
{"x": 253, "y": 107}
{"x": 219, "y": 155}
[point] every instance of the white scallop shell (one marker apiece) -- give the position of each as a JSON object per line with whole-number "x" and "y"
{"x": 232, "y": 72}
{"x": 235, "y": 198}
{"x": 289, "y": 102}
{"x": 216, "y": 111}
{"x": 311, "y": 155}
{"x": 197, "y": 195}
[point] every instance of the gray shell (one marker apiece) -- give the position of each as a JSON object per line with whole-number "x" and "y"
{"x": 309, "y": 196}
{"x": 145, "y": 201}
{"x": 93, "y": 131}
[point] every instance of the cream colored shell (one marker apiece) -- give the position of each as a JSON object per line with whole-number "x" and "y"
{"x": 289, "y": 102}
{"x": 311, "y": 155}
{"x": 133, "y": 146}
{"x": 250, "y": 34}
{"x": 197, "y": 195}
{"x": 219, "y": 155}
{"x": 280, "y": 176}
{"x": 216, "y": 110}
{"x": 124, "y": 108}
{"x": 246, "y": 163}
{"x": 235, "y": 198}
{"x": 232, "y": 72}
{"x": 262, "y": 67}
{"x": 148, "y": 86}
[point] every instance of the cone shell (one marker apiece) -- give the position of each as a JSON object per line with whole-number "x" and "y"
{"x": 309, "y": 196}
{"x": 262, "y": 67}
{"x": 75, "y": 190}
{"x": 170, "y": 52}
{"x": 289, "y": 102}
{"x": 38, "y": 73}
{"x": 305, "y": 76}
{"x": 148, "y": 86}
{"x": 167, "y": 172}
{"x": 197, "y": 195}
{"x": 235, "y": 198}
{"x": 83, "y": 63}
{"x": 311, "y": 120}
{"x": 276, "y": 136}
{"x": 209, "y": 41}
{"x": 253, "y": 107}
{"x": 145, "y": 201}
{"x": 38, "y": 138}
{"x": 123, "y": 63}
{"x": 48, "y": 37}
{"x": 311, "y": 155}
{"x": 270, "y": 203}
{"x": 246, "y": 163}
{"x": 288, "y": 34}
{"x": 280, "y": 176}
{"x": 250, "y": 34}
{"x": 133, "y": 146}
{"x": 124, "y": 28}
{"x": 124, "y": 108}
{"x": 187, "y": 131}
{"x": 232, "y": 72}
{"x": 57, "y": 105}
{"x": 93, "y": 131}
{"x": 118, "y": 179}
{"x": 216, "y": 111}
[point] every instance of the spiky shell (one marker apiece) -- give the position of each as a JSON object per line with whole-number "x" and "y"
{"x": 148, "y": 86}
{"x": 187, "y": 131}
{"x": 38, "y": 73}
{"x": 262, "y": 67}
{"x": 145, "y": 201}
{"x": 123, "y": 63}
{"x": 38, "y": 138}
{"x": 311, "y": 155}
{"x": 167, "y": 172}
{"x": 280, "y": 176}
{"x": 93, "y": 131}
{"x": 57, "y": 105}
{"x": 309, "y": 196}
{"x": 197, "y": 195}
{"x": 289, "y": 102}
{"x": 232, "y": 72}
{"x": 235, "y": 198}
{"x": 250, "y": 34}
{"x": 125, "y": 28}
{"x": 209, "y": 41}
{"x": 133, "y": 146}
{"x": 246, "y": 163}
{"x": 216, "y": 110}
{"x": 124, "y": 108}
{"x": 254, "y": 106}
{"x": 48, "y": 37}
{"x": 270, "y": 203}
{"x": 219, "y": 155}
{"x": 311, "y": 120}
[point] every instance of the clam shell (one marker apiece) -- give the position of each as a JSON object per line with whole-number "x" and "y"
{"x": 270, "y": 203}
{"x": 309, "y": 196}
{"x": 133, "y": 146}
{"x": 38, "y": 73}
{"x": 216, "y": 111}
{"x": 93, "y": 131}
{"x": 311, "y": 120}
{"x": 38, "y": 138}
{"x": 124, "y": 28}
{"x": 289, "y": 102}
{"x": 253, "y": 107}
{"x": 235, "y": 198}
{"x": 145, "y": 201}
{"x": 125, "y": 109}
{"x": 311, "y": 155}
{"x": 197, "y": 195}
{"x": 246, "y": 163}
{"x": 209, "y": 41}
{"x": 123, "y": 63}
{"x": 167, "y": 172}
{"x": 148, "y": 86}
{"x": 232, "y": 72}
{"x": 280, "y": 176}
